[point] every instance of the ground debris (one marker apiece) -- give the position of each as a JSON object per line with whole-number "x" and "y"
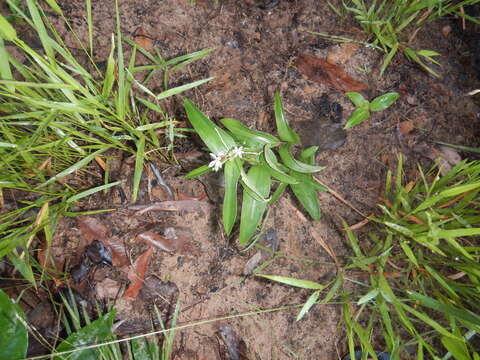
{"x": 136, "y": 273}
{"x": 321, "y": 71}
{"x": 235, "y": 346}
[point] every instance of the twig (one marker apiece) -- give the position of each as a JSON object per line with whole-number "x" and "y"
{"x": 340, "y": 198}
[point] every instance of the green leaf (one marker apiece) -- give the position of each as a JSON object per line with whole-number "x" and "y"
{"x": 308, "y": 155}
{"x": 357, "y": 117}
{"x": 139, "y": 160}
{"x": 357, "y": 99}
{"x": 274, "y": 167}
{"x": 7, "y": 31}
{"x": 383, "y": 101}
{"x": 294, "y": 164}
{"x": 232, "y": 174}
{"x": 306, "y": 193}
{"x": 251, "y": 137}
{"x": 253, "y": 209}
{"x": 91, "y": 191}
{"x": 308, "y": 304}
{"x": 180, "y": 89}
{"x": 198, "y": 171}
{"x": 284, "y": 131}
{"x": 305, "y": 284}
{"x": 14, "y": 339}
{"x": 447, "y": 309}
{"x": 216, "y": 139}
{"x": 456, "y": 347}
{"x": 372, "y": 294}
{"x": 95, "y": 332}
{"x": 77, "y": 166}
{"x": 408, "y": 251}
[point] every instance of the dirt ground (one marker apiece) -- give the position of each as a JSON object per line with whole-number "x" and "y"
{"x": 256, "y": 46}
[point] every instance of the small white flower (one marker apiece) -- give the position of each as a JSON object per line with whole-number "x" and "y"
{"x": 217, "y": 162}
{"x": 237, "y": 152}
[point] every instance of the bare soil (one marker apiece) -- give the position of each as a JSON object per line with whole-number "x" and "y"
{"x": 256, "y": 46}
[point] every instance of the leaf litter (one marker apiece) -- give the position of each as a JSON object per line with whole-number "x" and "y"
{"x": 321, "y": 71}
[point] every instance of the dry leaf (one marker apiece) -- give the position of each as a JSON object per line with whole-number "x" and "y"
{"x": 318, "y": 70}
{"x": 137, "y": 273}
{"x": 406, "y": 127}
{"x": 340, "y": 54}
{"x": 152, "y": 239}
{"x": 143, "y": 40}
{"x": 92, "y": 229}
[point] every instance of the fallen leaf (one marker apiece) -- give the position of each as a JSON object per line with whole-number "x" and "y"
{"x": 406, "y": 127}
{"x": 137, "y": 273}
{"x": 143, "y": 40}
{"x": 236, "y": 347}
{"x": 181, "y": 196}
{"x": 341, "y": 53}
{"x": 321, "y": 71}
{"x": 107, "y": 289}
{"x": 92, "y": 229}
{"x": 152, "y": 239}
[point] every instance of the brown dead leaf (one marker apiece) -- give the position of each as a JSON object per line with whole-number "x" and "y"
{"x": 181, "y": 196}
{"x": 137, "y": 273}
{"x": 321, "y": 71}
{"x": 92, "y": 229}
{"x": 152, "y": 239}
{"x": 143, "y": 40}
{"x": 341, "y": 53}
{"x": 406, "y": 127}
{"x": 169, "y": 243}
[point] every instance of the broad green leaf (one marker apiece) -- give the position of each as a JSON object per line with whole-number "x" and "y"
{"x": 7, "y": 32}
{"x": 308, "y": 155}
{"x": 357, "y": 99}
{"x": 306, "y": 193}
{"x": 357, "y": 117}
{"x": 95, "y": 332}
{"x": 109, "y": 77}
{"x": 284, "y": 131}
{"x": 251, "y": 137}
{"x": 305, "y": 284}
{"x": 14, "y": 339}
{"x": 456, "y": 347}
{"x": 232, "y": 174}
{"x": 216, "y": 139}
{"x": 198, "y": 171}
{"x": 274, "y": 167}
{"x": 253, "y": 209}
{"x": 277, "y": 193}
{"x": 308, "y": 304}
{"x": 383, "y": 101}
{"x": 294, "y": 164}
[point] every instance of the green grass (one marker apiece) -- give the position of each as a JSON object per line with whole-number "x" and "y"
{"x": 393, "y": 24}
{"x": 59, "y": 120}
{"x": 412, "y": 286}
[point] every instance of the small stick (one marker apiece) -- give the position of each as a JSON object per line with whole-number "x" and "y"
{"x": 340, "y": 198}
